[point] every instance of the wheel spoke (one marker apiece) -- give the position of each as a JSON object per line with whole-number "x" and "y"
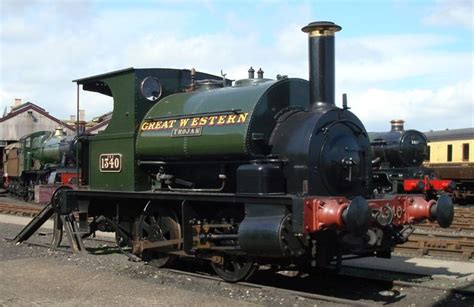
{"x": 158, "y": 225}
{"x": 146, "y": 227}
{"x": 234, "y": 269}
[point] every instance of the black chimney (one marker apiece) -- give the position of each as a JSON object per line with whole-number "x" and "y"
{"x": 321, "y": 62}
{"x": 397, "y": 125}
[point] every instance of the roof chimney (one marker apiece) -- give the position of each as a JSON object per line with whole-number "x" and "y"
{"x": 17, "y": 102}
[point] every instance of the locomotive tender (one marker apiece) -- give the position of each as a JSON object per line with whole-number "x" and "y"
{"x": 264, "y": 171}
{"x": 397, "y": 163}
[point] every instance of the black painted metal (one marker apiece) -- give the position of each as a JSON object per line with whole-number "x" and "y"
{"x": 35, "y": 224}
{"x": 260, "y": 178}
{"x": 73, "y": 234}
{"x": 187, "y": 213}
{"x": 321, "y": 63}
{"x": 251, "y": 73}
{"x": 259, "y": 232}
{"x": 73, "y": 196}
{"x": 443, "y": 211}
{"x": 357, "y": 216}
{"x": 298, "y": 215}
{"x": 398, "y": 148}
{"x": 327, "y": 153}
{"x": 322, "y": 67}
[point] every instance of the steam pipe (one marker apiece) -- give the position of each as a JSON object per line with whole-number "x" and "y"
{"x": 321, "y": 62}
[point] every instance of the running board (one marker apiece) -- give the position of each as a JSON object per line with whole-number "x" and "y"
{"x": 35, "y": 224}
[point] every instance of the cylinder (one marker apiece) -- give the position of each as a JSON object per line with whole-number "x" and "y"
{"x": 321, "y": 62}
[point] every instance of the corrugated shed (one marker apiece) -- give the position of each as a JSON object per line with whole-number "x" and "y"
{"x": 28, "y": 118}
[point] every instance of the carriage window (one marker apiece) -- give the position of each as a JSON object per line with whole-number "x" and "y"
{"x": 428, "y": 151}
{"x": 465, "y": 152}
{"x": 450, "y": 153}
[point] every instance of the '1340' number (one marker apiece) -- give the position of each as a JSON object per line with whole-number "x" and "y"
{"x": 110, "y": 162}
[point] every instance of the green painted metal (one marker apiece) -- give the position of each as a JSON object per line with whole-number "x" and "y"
{"x": 257, "y": 102}
{"x": 130, "y": 107}
{"x": 47, "y": 150}
{"x": 30, "y": 145}
{"x": 119, "y": 136}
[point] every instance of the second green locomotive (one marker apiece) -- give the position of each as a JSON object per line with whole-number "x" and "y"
{"x": 39, "y": 158}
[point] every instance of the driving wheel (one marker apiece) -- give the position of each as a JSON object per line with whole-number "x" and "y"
{"x": 154, "y": 225}
{"x": 233, "y": 268}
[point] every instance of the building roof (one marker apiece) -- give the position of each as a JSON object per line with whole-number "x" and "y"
{"x": 98, "y": 126}
{"x": 101, "y": 118}
{"x": 31, "y": 106}
{"x": 450, "y": 134}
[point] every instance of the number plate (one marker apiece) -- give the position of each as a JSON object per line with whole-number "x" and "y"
{"x": 110, "y": 163}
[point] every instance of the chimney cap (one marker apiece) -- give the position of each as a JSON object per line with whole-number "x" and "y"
{"x": 397, "y": 125}
{"x": 322, "y": 27}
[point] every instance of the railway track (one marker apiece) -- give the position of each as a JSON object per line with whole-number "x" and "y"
{"x": 272, "y": 289}
{"x": 455, "y": 242}
{"x": 373, "y": 279}
{"x": 377, "y": 286}
{"x": 20, "y": 209}
{"x": 312, "y": 289}
{"x": 428, "y": 239}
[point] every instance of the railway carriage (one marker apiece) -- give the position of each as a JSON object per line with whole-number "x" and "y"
{"x": 451, "y": 156}
{"x": 12, "y": 166}
{"x": 261, "y": 172}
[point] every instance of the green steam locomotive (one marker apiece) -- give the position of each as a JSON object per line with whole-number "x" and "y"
{"x": 261, "y": 172}
{"x": 40, "y": 158}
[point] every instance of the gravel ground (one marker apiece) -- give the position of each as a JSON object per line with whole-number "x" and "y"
{"x": 32, "y": 275}
{"x": 35, "y": 275}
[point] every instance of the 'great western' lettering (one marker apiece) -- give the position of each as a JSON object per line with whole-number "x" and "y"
{"x": 195, "y": 122}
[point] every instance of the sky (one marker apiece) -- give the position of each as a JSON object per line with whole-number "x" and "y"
{"x": 395, "y": 59}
